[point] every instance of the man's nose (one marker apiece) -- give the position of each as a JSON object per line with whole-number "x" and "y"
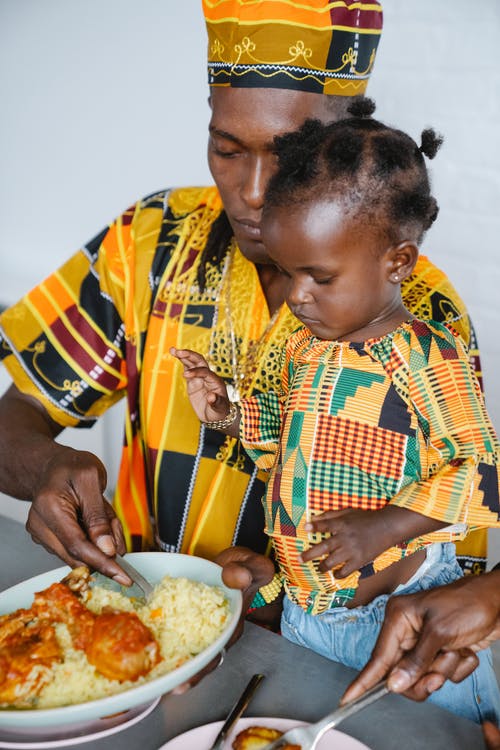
{"x": 258, "y": 173}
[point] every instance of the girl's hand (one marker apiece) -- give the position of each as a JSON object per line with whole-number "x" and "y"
{"x": 206, "y": 390}
{"x": 356, "y": 538}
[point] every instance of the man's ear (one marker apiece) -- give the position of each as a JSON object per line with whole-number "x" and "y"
{"x": 401, "y": 260}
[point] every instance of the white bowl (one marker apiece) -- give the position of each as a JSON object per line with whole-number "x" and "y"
{"x": 154, "y": 566}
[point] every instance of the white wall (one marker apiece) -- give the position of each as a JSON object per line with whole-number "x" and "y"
{"x": 438, "y": 65}
{"x": 105, "y": 100}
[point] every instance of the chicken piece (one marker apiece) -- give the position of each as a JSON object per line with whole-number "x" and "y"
{"x": 117, "y": 644}
{"x": 122, "y": 647}
{"x": 253, "y": 738}
{"x": 28, "y": 650}
{"x": 78, "y": 580}
{"x": 13, "y": 623}
{"x": 58, "y": 604}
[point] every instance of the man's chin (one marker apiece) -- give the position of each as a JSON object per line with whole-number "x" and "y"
{"x": 253, "y": 250}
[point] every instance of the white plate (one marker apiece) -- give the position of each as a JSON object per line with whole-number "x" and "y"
{"x": 154, "y": 566}
{"x": 201, "y": 738}
{"x": 76, "y": 734}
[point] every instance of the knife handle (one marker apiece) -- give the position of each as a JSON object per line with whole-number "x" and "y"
{"x": 237, "y": 710}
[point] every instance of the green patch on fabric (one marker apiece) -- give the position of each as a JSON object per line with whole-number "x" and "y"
{"x": 347, "y": 385}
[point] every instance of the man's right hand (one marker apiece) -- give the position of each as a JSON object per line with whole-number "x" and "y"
{"x": 69, "y": 515}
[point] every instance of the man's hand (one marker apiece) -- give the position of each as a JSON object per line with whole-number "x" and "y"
{"x": 432, "y": 636}
{"x": 491, "y": 735}
{"x": 70, "y": 517}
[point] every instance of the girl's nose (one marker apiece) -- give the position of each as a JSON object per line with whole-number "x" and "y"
{"x": 297, "y": 294}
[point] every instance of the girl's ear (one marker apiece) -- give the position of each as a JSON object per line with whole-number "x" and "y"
{"x": 401, "y": 261}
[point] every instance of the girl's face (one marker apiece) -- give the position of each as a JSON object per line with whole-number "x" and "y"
{"x": 341, "y": 282}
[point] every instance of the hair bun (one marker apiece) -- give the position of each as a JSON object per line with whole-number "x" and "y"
{"x": 361, "y": 106}
{"x": 430, "y": 143}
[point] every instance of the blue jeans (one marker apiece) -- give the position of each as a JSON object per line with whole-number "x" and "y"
{"x": 349, "y": 635}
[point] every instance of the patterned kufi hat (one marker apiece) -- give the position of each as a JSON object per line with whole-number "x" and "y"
{"x": 310, "y": 45}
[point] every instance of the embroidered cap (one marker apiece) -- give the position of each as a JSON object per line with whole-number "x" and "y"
{"x": 309, "y": 45}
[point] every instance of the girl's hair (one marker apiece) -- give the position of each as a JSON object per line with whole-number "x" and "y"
{"x": 370, "y": 167}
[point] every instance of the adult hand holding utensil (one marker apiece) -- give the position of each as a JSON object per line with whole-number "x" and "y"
{"x": 308, "y": 736}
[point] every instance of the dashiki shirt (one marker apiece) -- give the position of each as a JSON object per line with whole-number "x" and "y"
{"x": 397, "y": 419}
{"x": 100, "y": 328}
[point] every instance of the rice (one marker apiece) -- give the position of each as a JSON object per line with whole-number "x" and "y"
{"x": 184, "y": 616}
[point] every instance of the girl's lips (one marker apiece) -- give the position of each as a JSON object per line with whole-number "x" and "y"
{"x": 304, "y": 319}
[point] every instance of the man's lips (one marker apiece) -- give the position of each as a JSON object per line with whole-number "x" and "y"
{"x": 249, "y": 228}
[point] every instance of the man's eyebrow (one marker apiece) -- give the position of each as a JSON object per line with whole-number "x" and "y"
{"x": 223, "y": 134}
{"x": 234, "y": 139}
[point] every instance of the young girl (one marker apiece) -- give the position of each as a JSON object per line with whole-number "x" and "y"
{"x": 378, "y": 445}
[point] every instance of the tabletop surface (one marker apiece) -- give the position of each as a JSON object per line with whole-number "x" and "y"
{"x": 299, "y": 684}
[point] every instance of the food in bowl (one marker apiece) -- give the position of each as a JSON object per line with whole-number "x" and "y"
{"x": 80, "y": 642}
{"x": 254, "y": 738}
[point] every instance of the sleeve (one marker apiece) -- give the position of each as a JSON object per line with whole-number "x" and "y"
{"x": 67, "y": 342}
{"x": 262, "y": 418}
{"x": 460, "y": 452}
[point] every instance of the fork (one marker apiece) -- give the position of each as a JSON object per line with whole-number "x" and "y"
{"x": 308, "y": 736}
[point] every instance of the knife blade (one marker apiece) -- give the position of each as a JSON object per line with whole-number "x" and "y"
{"x": 134, "y": 574}
{"x": 237, "y": 710}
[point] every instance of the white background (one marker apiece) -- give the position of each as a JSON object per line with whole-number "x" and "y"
{"x": 103, "y": 101}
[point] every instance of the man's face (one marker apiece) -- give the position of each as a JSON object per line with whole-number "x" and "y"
{"x": 242, "y": 127}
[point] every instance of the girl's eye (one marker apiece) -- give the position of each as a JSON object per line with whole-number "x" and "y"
{"x": 322, "y": 282}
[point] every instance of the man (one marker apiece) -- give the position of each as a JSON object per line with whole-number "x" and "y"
{"x": 183, "y": 268}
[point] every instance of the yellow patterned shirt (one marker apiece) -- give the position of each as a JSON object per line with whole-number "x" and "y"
{"x": 398, "y": 419}
{"x": 99, "y": 329}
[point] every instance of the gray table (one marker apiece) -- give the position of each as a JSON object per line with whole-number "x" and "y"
{"x": 299, "y": 684}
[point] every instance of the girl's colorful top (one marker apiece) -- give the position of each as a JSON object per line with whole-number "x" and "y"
{"x": 398, "y": 419}
{"x": 99, "y": 329}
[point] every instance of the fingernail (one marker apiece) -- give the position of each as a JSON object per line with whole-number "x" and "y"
{"x": 399, "y": 680}
{"x": 106, "y": 544}
{"x": 180, "y": 689}
{"x": 434, "y": 682}
{"x": 121, "y": 579}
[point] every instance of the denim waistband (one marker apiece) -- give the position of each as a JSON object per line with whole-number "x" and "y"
{"x": 434, "y": 553}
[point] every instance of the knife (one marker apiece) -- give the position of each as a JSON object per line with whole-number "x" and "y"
{"x": 237, "y": 710}
{"x": 133, "y": 573}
